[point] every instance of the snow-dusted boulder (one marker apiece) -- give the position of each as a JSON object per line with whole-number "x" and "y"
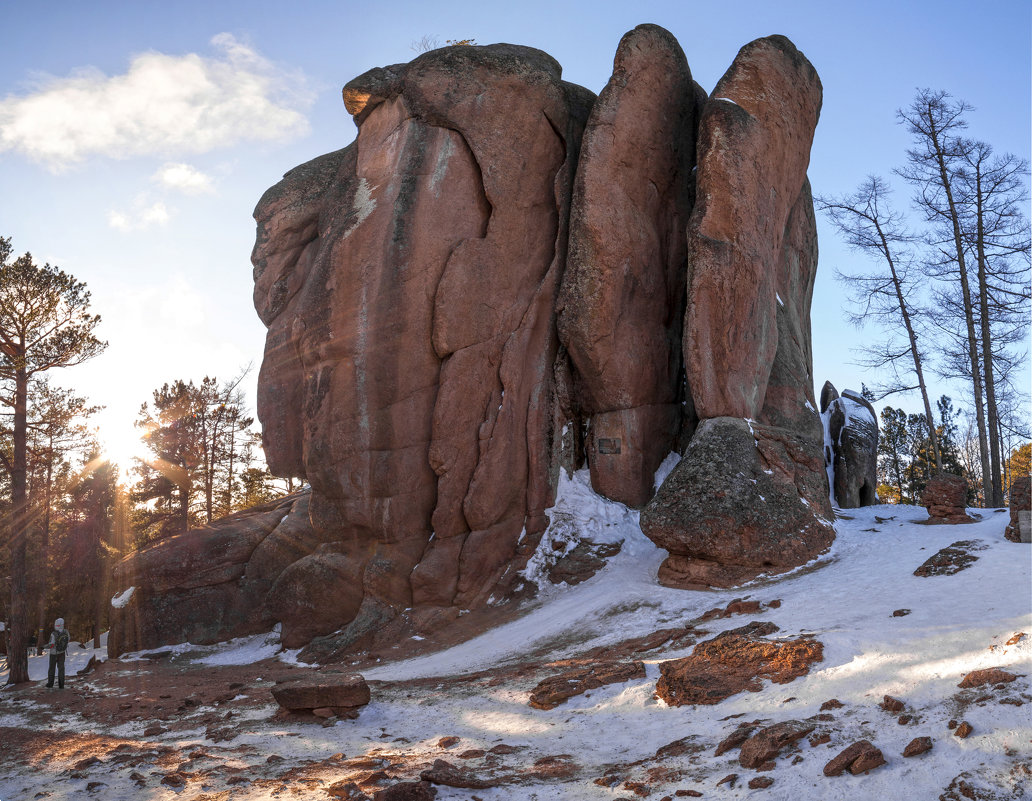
{"x": 850, "y": 447}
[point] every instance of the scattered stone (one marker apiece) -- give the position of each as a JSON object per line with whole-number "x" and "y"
{"x": 448, "y": 742}
{"x": 729, "y": 780}
{"x": 820, "y": 739}
{"x": 554, "y": 690}
{"x": 994, "y": 675}
{"x": 834, "y": 703}
{"x": 688, "y": 794}
{"x": 918, "y": 746}
{"x": 951, "y": 559}
{"x": 1016, "y": 638}
{"x": 951, "y": 725}
{"x": 858, "y": 758}
{"x": 945, "y": 498}
{"x": 1020, "y": 501}
{"x": 154, "y": 730}
{"x": 342, "y": 693}
{"x": 82, "y": 764}
{"x": 174, "y": 780}
{"x": 904, "y": 720}
{"x": 901, "y": 613}
{"x": 472, "y": 753}
{"x": 442, "y": 772}
{"x": 735, "y": 661}
{"x": 736, "y": 738}
{"x": 766, "y": 745}
{"x": 346, "y": 791}
{"x": 504, "y": 748}
{"x": 760, "y": 783}
{"x": 891, "y": 704}
{"x": 88, "y": 668}
{"x": 138, "y": 778}
{"x": 963, "y": 730}
{"x": 407, "y": 791}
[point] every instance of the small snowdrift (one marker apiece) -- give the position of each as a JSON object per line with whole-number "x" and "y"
{"x": 884, "y": 632}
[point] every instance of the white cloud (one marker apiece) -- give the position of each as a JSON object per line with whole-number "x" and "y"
{"x": 184, "y": 177}
{"x": 162, "y": 105}
{"x": 143, "y": 215}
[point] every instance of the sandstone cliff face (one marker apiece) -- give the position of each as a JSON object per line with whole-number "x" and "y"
{"x": 409, "y": 373}
{"x": 623, "y": 293}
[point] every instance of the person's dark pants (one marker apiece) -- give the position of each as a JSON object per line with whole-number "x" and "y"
{"x": 56, "y": 661}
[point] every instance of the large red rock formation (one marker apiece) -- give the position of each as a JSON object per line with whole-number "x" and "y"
{"x": 431, "y": 356}
{"x": 753, "y": 151}
{"x": 409, "y": 285}
{"x": 623, "y": 293}
{"x": 751, "y": 493}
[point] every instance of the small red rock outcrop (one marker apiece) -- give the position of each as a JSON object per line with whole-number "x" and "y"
{"x": 555, "y": 690}
{"x": 1020, "y": 501}
{"x": 994, "y": 675}
{"x": 766, "y": 744}
{"x": 945, "y": 498}
{"x": 343, "y": 694}
{"x": 918, "y": 745}
{"x": 858, "y": 758}
{"x": 951, "y": 559}
{"x": 735, "y": 661}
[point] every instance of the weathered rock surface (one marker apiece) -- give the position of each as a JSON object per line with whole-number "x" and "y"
{"x": 951, "y": 559}
{"x": 496, "y": 258}
{"x": 554, "y": 690}
{"x": 409, "y": 285}
{"x": 753, "y": 256}
{"x": 623, "y": 293}
{"x": 1020, "y": 501}
{"x": 732, "y": 508}
{"x": 858, "y": 758}
{"x": 342, "y": 693}
{"x": 206, "y": 586}
{"x": 917, "y": 746}
{"x": 945, "y": 498}
{"x": 753, "y": 151}
{"x": 851, "y": 449}
{"x": 979, "y": 678}
{"x": 766, "y": 744}
{"x": 735, "y": 661}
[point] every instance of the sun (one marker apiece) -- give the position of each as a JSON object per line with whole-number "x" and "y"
{"x": 120, "y": 444}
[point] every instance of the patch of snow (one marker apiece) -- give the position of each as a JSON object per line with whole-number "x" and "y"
{"x": 665, "y": 469}
{"x": 120, "y": 600}
{"x": 727, "y": 100}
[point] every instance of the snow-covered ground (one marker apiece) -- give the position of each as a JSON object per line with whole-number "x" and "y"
{"x": 846, "y": 599}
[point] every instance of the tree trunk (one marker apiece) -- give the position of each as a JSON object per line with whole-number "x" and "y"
{"x": 18, "y": 658}
{"x": 976, "y": 373}
{"x": 44, "y": 567}
{"x": 987, "y": 353}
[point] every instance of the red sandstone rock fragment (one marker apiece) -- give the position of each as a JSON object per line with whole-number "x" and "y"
{"x": 1020, "y": 501}
{"x": 735, "y": 661}
{"x": 951, "y": 559}
{"x": 450, "y": 775}
{"x": 858, "y": 758}
{"x": 341, "y": 692}
{"x": 623, "y": 294}
{"x": 918, "y": 745}
{"x": 963, "y": 730}
{"x": 945, "y": 498}
{"x": 754, "y": 148}
{"x": 766, "y": 744}
{"x": 760, "y": 783}
{"x": 890, "y": 704}
{"x": 736, "y": 738}
{"x": 834, "y": 703}
{"x": 994, "y": 675}
{"x": 554, "y": 690}
{"x": 407, "y": 791}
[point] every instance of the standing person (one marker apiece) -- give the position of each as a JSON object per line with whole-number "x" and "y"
{"x": 58, "y": 645}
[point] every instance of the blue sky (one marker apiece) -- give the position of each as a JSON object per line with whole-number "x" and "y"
{"x": 136, "y": 137}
